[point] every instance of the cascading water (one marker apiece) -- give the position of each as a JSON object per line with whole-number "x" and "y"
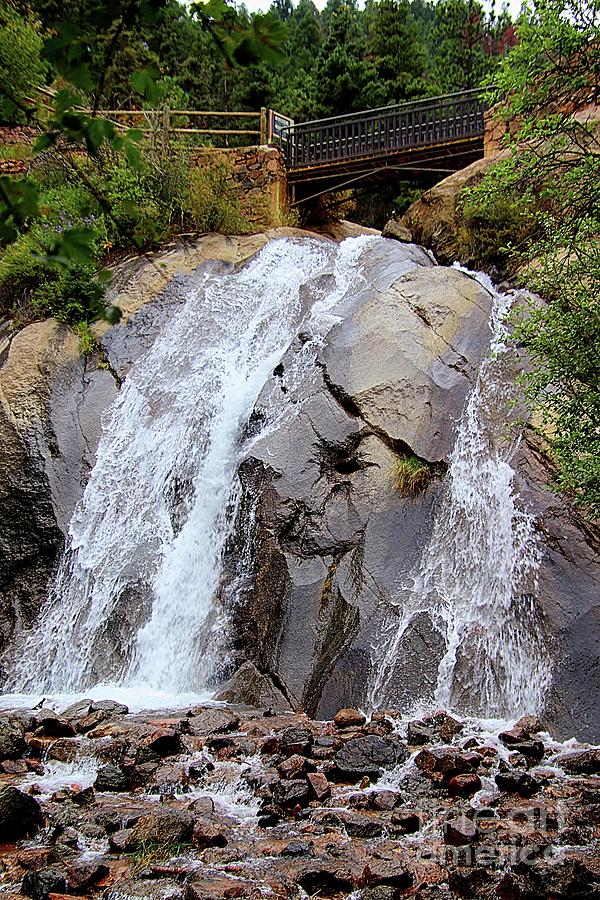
{"x": 477, "y": 576}
{"x": 133, "y": 598}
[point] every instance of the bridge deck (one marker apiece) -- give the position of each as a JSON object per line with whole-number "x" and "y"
{"x": 439, "y": 134}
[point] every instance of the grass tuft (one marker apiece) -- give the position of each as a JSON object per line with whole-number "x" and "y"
{"x": 410, "y": 475}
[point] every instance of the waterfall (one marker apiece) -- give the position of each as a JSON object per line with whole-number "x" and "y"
{"x": 476, "y": 578}
{"x": 133, "y": 598}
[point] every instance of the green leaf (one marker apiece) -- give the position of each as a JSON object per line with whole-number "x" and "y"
{"x": 112, "y": 314}
{"x": 74, "y": 245}
{"x": 144, "y": 83}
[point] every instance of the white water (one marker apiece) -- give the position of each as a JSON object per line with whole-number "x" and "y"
{"x": 133, "y": 600}
{"x": 477, "y": 576}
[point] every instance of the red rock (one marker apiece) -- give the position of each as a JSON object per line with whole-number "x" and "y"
{"x": 293, "y": 766}
{"x": 270, "y": 744}
{"x": 459, "y": 832}
{"x": 209, "y": 834}
{"x": 464, "y": 785}
{"x": 349, "y": 718}
{"x": 319, "y": 785}
{"x": 165, "y": 742}
{"x": 82, "y": 876}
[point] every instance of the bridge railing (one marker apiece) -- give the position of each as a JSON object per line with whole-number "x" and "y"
{"x": 419, "y": 123}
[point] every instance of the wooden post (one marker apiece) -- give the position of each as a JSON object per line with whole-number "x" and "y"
{"x": 166, "y": 124}
{"x": 263, "y": 125}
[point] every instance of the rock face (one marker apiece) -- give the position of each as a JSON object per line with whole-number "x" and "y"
{"x": 322, "y": 515}
{"x": 51, "y": 403}
{"x": 434, "y": 220}
{"x": 332, "y": 531}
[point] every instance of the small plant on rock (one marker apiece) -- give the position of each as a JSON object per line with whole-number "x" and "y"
{"x": 410, "y": 475}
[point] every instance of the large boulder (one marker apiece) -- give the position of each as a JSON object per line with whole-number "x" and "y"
{"x": 330, "y": 529}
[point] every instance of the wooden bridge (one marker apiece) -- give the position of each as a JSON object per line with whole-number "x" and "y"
{"x": 426, "y": 139}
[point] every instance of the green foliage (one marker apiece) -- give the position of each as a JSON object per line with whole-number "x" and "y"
{"x": 410, "y": 475}
{"x": 553, "y": 177}
{"x": 20, "y": 63}
{"x": 87, "y": 342}
{"x": 213, "y": 201}
{"x": 494, "y": 225}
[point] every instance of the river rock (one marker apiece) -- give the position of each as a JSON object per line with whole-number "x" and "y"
{"x": 368, "y": 755}
{"x": 39, "y": 885}
{"x": 20, "y": 814}
{"x": 12, "y": 742}
{"x": 581, "y": 762}
{"x": 459, "y": 832}
{"x": 349, "y": 718}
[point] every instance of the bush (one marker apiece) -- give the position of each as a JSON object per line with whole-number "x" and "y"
{"x": 213, "y": 203}
{"x": 492, "y": 225}
{"x": 20, "y": 63}
{"x": 72, "y": 295}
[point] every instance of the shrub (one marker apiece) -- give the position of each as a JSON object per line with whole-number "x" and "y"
{"x": 492, "y": 225}
{"x": 72, "y": 295}
{"x": 410, "y": 475}
{"x": 20, "y": 63}
{"x": 213, "y": 202}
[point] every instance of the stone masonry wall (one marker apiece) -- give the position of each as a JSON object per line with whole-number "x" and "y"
{"x": 258, "y": 175}
{"x": 15, "y": 136}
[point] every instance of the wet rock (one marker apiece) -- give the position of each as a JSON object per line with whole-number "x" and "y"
{"x": 349, "y": 718}
{"x": 325, "y": 879}
{"x": 521, "y": 730}
{"x": 220, "y": 887}
{"x": 397, "y": 231}
{"x": 253, "y": 688}
{"x": 443, "y": 763}
{"x": 515, "y": 782}
{"x": 212, "y": 720}
{"x": 319, "y": 785}
{"x": 165, "y": 826}
{"x": 111, "y": 779}
{"x": 165, "y": 742}
{"x": 123, "y": 841}
{"x": 113, "y": 707}
{"x": 14, "y": 767}
{"x": 533, "y": 751}
{"x": 390, "y": 873}
{"x": 292, "y": 793}
{"x": 384, "y": 800}
{"x": 40, "y": 884}
{"x": 293, "y": 766}
{"x": 368, "y": 755}
{"x": 356, "y": 825}
{"x": 12, "y": 742}
{"x": 418, "y": 733}
{"x": 295, "y": 740}
{"x": 207, "y": 833}
{"x": 49, "y": 724}
{"x": 409, "y": 820}
{"x": 464, "y": 785}
{"x": 78, "y": 710}
{"x": 20, "y": 814}
{"x": 82, "y": 876}
{"x": 582, "y": 762}
{"x": 459, "y": 832}
{"x": 95, "y": 718}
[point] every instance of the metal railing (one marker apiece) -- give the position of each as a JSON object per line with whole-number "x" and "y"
{"x": 419, "y": 123}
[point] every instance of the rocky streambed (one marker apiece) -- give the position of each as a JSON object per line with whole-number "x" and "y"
{"x": 225, "y": 801}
